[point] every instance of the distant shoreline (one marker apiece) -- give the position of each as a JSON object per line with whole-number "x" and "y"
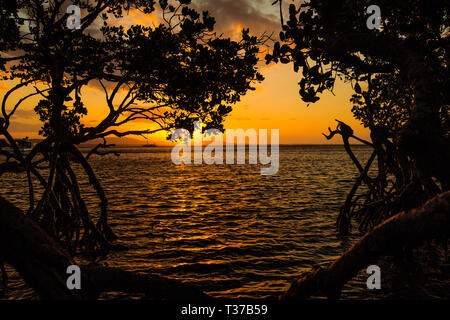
{"x": 281, "y": 146}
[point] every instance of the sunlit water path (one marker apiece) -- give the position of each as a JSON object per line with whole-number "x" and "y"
{"x": 225, "y": 228}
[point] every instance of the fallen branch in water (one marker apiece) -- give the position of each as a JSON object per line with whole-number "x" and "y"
{"x": 42, "y": 263}
{"x": 408, "y": 228}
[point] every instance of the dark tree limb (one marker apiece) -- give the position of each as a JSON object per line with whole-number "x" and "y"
{"x": 159, "y": 288}
{"x": 104, "y": 145}
{"x": 408, "y": 228}
{"x": 4, "y": 274}
{"x": 42, "y": 263}
{"x": 33, "y": 253}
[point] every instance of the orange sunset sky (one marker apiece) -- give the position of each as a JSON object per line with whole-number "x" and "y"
{"x": 275, "y": 104}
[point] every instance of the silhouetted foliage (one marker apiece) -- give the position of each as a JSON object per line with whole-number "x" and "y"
{"x": 399, "y": 74}
{"x": 171, "y": 74}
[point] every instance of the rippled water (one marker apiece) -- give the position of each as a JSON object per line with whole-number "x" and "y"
{"x": 225, "y": 228}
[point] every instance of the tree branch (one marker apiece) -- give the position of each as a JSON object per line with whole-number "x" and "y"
{"x": 408, "y": 228}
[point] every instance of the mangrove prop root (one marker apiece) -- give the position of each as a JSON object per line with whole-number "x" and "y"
{"x": 397, "y": 185}
{"x": 408, "y": 228}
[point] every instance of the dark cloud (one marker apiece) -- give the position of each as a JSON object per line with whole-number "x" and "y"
{"x": 25, "y": 114}
{"x": 20, "y": 127}
{"x": 232, "y": 15}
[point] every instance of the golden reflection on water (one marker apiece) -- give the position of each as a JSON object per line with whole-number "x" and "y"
{"x": 226, "y": 228}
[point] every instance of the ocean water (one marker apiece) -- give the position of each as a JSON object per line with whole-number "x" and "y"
{"x": 225, "y": 228}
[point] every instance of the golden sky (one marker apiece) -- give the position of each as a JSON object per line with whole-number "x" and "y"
{"x": 275, "y": 104}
